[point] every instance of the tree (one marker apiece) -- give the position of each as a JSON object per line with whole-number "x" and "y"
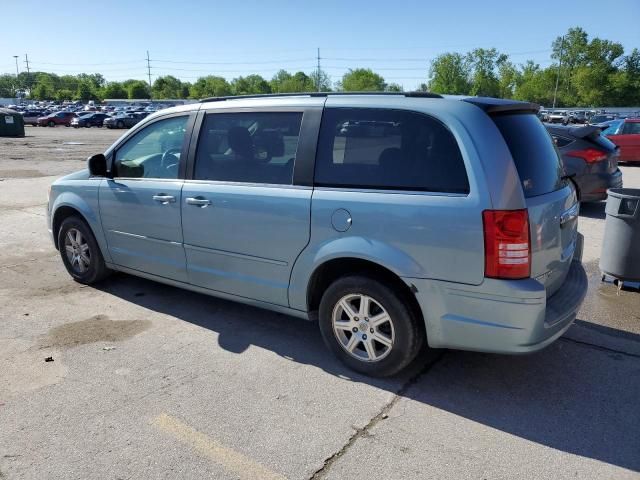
{"x": 138, "y": 89}
{"x": 322, "y": 78}
{"x": 284, "y": 82}
{"x": 250, "y": 85}
{"x": 450, "y": 73}
{"x": 167, "y": 87}
{"x": 508, "y": 76}
{"x": 7, "y": 86}
{"x": 484, "y": 81}
{"x": 210, "y": 86}
{"x": 535, "y": 84}
{"x": 362, "y": 80}
{"x": 85, "y": 91}
{"x": 114, "y": 90}
{"x": 394, "y": 87}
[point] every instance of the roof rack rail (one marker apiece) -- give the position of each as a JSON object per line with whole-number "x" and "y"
{"x": 321, "y": 94}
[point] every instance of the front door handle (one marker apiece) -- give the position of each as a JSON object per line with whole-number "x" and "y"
{"x": 198, "y": 201}
{"x": 164, "y": 199}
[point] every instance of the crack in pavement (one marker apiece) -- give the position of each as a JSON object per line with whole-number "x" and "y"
{"x": 599, "y": 347}
{"x": 382, "y": 414}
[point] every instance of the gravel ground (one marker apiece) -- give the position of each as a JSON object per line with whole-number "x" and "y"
{"x": 148, "y": 381}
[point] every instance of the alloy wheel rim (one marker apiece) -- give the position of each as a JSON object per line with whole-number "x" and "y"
{"x": 363, "y": 327}
{"x": 77, "y": 250}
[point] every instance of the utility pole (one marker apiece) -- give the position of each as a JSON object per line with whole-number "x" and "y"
{"x": 17, "y": 93}
{"x": 149, "y": 72}
{"x": 555, "y": 92}
{"x": 318, "y": 71}
{"x": 26, "y": 61}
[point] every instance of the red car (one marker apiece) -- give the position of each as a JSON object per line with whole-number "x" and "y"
{"x": 627, "y": 136}
{"x": 58, "y": 118}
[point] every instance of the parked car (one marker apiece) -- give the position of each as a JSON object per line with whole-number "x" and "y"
{"x": 559, "y": 116}
{"x": 122, "y": 120}
{"x": 58, "y": 118}
{"x": 407, "y": 241}
{"x": 626, "y": 135}
{"x": 589, "y": 158}
{"x": 601, "y": 118}
{"x": 90, "y": 120}
{"x": 31, "y": 117}
{"x": 578, "y": 116}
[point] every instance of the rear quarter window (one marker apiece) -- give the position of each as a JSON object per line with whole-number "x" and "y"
{"x": 388, "y": 149}
{"x": 534, "y": 153}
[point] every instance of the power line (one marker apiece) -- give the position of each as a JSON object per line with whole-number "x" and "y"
{"x": 258, "y": 62}
{"x": 86, "y": 64}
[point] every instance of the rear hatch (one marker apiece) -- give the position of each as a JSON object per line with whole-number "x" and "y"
{"x": 551, "y": 200}
{"x": 591, "y": 134}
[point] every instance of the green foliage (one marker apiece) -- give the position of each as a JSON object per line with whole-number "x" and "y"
{"x": 250, "y": 85}
{"x": 362, "y": 80}
{"x": 594, "y": 72}
{"x": 394, "y": 87}
{"x": 210, "y": 86}
{"x": 137, "y": 89}
{"x": 169, "y": 87}
{"x": 114, "y": 90}
{"x": 284, "y": 82}
{"x": 450, "y": 73}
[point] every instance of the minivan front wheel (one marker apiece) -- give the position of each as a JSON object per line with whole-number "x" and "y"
{"x": 80, "y": 252}
{"x": 368, "y": 326}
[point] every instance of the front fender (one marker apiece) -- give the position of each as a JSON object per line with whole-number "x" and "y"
{"x": 374, "y": 251}
{"x": 86, "y": 203}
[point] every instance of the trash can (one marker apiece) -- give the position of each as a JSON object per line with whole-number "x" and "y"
{"x": 11, "y": 123}
{"x": 620, "y": 257}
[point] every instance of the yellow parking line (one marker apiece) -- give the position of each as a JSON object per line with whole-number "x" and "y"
{"x": 229, "y": 459}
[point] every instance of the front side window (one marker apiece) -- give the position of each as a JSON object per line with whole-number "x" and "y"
{"x": 251, "y": 147}
{"x": 153, "y": 152}
{"x": 388, "y": 149}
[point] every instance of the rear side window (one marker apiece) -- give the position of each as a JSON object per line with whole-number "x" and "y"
{"x": 536, "y": 157}
{"x": 388, "y": 149}
{"x": 250, "y": 147}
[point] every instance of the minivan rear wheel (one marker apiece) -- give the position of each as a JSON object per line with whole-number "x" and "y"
{"x": 80, "y": 252}
{"x": 368, "y": 326}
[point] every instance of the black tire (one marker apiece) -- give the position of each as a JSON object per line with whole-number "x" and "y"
{"x": 51, "y": 124}
{"x": 120, "y": 124}
{"x": 97, "y": 270}
{"x": 409, "y": 337}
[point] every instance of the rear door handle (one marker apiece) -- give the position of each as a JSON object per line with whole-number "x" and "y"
{"x": 164, "y": 199}
{"x": 198, "y": 201}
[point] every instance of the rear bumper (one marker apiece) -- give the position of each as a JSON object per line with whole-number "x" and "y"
{"x": 593, "y": 187}
{"x": 499, "y": 316}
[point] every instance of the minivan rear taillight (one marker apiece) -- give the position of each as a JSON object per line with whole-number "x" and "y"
{"x": 507, "y": 244}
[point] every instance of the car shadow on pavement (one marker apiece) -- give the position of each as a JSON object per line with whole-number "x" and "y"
{"x": 572, "y": 397}
{"x": 593, "y": 210}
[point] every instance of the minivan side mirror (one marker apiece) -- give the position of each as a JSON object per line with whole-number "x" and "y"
{"x": 97, "y": 165}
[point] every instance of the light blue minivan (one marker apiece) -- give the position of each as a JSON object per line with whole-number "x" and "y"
{"x": 397, "y": 221}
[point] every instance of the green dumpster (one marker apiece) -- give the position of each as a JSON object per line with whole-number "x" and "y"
{"x": 11, "y": 123}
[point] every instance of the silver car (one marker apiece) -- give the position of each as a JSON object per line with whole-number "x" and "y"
{"x": 396, "y": 221}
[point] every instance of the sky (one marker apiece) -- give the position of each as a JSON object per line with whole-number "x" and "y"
{"x": 193, "y": 38}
